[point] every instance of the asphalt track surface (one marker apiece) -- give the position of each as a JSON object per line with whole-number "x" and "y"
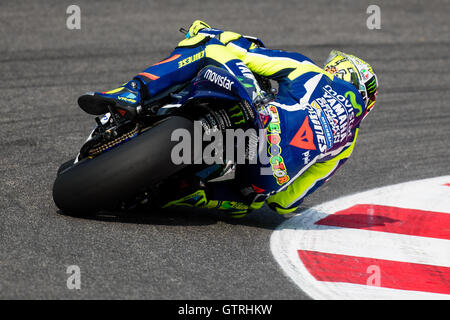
{"x": 191, "y": 254}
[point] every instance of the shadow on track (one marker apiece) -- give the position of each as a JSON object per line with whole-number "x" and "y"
{"x": 184, "y": 216}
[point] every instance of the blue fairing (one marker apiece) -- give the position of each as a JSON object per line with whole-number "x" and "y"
{"x": 217, "y": 83}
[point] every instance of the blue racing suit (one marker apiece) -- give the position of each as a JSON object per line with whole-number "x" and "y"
{"x": 313, "y": 122}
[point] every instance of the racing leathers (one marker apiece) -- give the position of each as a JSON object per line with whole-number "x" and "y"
{"x": 311, "y": 126}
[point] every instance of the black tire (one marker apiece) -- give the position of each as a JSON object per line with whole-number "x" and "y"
{"x": 65, "y": 166}
{"x": 105, "y": 181}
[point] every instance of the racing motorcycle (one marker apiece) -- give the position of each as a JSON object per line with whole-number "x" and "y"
{"x": 126, "y": 160}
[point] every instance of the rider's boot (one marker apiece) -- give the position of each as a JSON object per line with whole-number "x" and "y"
{"x": 125, "y": 99}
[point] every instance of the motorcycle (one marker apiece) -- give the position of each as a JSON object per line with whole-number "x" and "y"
{"x": 126, "y": 160}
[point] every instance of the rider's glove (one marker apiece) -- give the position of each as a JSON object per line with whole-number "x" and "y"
{"x": 195, "y": 27}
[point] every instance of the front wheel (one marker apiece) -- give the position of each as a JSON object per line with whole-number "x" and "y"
{"x": 113, "y": 177}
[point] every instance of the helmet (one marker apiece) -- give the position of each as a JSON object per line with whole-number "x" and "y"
{"x": 356, "y": 71}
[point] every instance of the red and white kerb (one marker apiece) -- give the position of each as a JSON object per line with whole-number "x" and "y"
{"x": 387, "y": 243}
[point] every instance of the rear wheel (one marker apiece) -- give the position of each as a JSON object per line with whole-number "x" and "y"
{"x": 118, "y": 175}
{"x": 65, "y": 165}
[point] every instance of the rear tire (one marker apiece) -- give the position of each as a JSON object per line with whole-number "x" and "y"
{"x": 119, "y": 174}
{"x": 65, "y": 166}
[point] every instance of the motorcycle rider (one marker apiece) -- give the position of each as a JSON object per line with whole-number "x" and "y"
{"x": 314, "y": 122}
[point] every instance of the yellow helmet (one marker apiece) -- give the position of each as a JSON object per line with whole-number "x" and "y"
{"x": 356, "y": 71}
